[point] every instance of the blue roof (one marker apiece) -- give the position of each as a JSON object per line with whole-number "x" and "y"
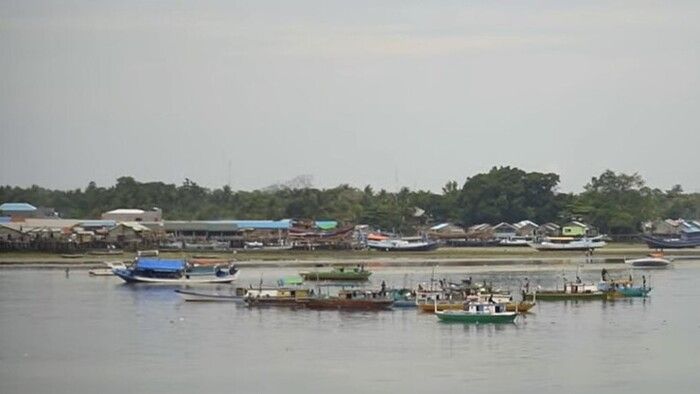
{"x": 161, "y": 265}
{"x": 17, "y": 207}
{"x": 5, "y": 219}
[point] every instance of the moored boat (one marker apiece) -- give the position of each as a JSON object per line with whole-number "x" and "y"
{"x": 339, "y": 273}
{"x": 153, "y": 270}
{"x": 478, "y": 313}
{"x": 571, "y": 291}
{"x": 279, "y": 296}
{"x": 671, "y": 243}
{"x": 198, "y": 296}
{"x": 350, "y": 300}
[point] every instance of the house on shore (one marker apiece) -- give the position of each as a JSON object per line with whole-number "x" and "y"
{"x": 446, "y": 231}
{"x": 548, "y": 230}
{"x": 526, "y": 228}
{"x": 577, "y": 229}
{"x": 504, "y": 230}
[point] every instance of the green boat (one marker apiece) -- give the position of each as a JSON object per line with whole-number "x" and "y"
{"x": 341, "y": 273}
{"x": 478, "y": 313}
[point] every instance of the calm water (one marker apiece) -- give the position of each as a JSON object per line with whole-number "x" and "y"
{"x": 79, "y": 334}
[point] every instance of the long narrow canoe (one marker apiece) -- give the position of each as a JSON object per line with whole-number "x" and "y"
{"x": 196, "y": 296}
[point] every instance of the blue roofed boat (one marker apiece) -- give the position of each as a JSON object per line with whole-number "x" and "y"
{"x": 174, "y": 271}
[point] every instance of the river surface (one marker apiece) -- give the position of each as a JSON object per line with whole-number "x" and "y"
{"x": 78, "y": 334}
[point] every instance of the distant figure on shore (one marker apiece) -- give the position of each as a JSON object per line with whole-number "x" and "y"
{"x": 604, "y": 275}
{"x": 67, "y": 272}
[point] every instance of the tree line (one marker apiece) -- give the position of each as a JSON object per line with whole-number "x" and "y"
{"x": 616, "y": 203}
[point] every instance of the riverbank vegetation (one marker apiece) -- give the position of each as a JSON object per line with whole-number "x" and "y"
{"x": 616, "y": 203}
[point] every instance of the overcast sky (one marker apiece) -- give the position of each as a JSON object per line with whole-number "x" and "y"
{"x": 349, "y": 92}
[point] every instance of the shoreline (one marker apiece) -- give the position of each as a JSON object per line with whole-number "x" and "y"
{"x": 299, "y": 259}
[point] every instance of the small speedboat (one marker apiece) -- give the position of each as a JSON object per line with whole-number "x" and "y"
{"x": 649, "y": 262}
{"x": 479, "y": 313}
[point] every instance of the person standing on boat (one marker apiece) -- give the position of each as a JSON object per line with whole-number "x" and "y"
{"x": 604, "y": 275}
{"x": 383, "y": 288}
{"x": 644, "y": 281}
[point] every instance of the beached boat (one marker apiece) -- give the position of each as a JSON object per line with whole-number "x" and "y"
{"x": 568, "y": 244}
{"x": 198, "y": 296}
{"x": 350, "y": 300}
{"x": 338, "y": 273}
{"x": 649, "y": 262}
{"x": 400, "y": 245}
{"x": 671, "y": 243}
{"x": 151, "y": 270}
{"x": 478, "y": 313}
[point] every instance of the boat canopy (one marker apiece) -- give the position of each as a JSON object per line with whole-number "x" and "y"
{"x": 160, "y": 265}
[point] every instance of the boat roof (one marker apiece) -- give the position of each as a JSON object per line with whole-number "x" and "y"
{"x": 162, "y": 265}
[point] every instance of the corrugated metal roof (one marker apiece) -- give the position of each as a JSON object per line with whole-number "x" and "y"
{"x": 439, "y": 226}
{"x": 262, "y": 224}
{"x": 198, "y": 225}
{"x": 98, "y": 223}
{"x": 17, "y": 207}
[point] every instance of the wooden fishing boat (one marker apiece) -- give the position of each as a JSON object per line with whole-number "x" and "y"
{"x": 350, "y": 300}
{"x": 571, "y": 291}
{"x": 277, "y": 297}
{"x": 197, "y": 296}
{"x": 340, "y": 273}
{"x": 150, "y": 270}
{"x": 671, "y": 243}
{"x": 478, "y": 313}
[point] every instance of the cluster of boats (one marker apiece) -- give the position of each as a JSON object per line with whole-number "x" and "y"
{"x": 337, "y": 289}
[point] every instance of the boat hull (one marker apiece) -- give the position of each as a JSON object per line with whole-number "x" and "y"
{"x": 194, "y": 296}
{"x": 455, "y": 317}
{"x": 562, "y": 296}
{"x": 651, "y": 262}
{"x": 345, "y": 304}
{"x": 669, "y": 243}
{"x": 130, "y": 278}
{"x": 410, "y": 247}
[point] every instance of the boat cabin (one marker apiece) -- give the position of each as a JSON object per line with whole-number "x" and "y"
{"x": 485, "y": 308}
